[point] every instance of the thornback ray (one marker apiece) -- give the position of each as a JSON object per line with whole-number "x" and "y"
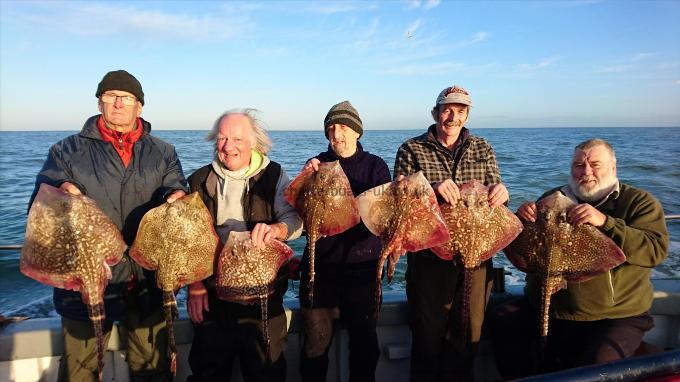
{"x": 558, "y": 252}
{"x": 71, "y": 244}
{"x": 477, "y": 232}
{"x": 247, "y": 274}
{"x": 326, "y": 204}
{"x": 179, "y": 242}
{"x": 405, "y": 216}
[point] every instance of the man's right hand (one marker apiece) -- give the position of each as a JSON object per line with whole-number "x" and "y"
{"x": 527, "y": 212}
{"x": 197, "y": 301}
{"x": 70, "y": 188}
{"x": 313, "y": 164}
{"x": 447, "y": 190}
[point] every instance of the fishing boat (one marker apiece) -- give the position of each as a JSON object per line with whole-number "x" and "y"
{"x": 30, "y": 349}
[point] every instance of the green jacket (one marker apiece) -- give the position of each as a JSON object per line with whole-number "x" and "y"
{"x": 635, "y": 222}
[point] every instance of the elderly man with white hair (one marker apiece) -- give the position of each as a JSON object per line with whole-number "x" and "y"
{"x": 602, "y": 319}
{"x": 243, "y": 190}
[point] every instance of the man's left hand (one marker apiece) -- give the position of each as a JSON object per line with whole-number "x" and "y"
{"x": 262, "y": 233}
{"x": 586, "y": 214}
{"x": 498, "y": 195}
{"x": 175, "y": 195}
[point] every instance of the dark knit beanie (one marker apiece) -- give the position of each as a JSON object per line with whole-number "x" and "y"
{"x": 120, "y": 80}
{"x": 345, "y": 114}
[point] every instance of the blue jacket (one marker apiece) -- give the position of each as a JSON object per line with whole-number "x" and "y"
{"x": 123, "y": 194}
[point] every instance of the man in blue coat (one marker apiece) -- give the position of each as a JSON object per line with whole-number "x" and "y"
{"x": 117, "y": 162}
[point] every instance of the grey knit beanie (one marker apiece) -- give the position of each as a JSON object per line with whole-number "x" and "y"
{"x": 345, "y": 114}
{"x": 120, "y": 80}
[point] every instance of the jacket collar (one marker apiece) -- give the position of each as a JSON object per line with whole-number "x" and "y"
{"x": 90, "y": 129}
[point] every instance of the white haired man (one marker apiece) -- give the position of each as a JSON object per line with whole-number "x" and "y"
{"x": 602, "y": 319}
{"x": 243, "y": 190}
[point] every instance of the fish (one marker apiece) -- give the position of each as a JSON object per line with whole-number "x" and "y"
{"x": 325, "y": 201}
{"x": 179, "y": 242}
{"x": 71, "y": 244}
{"x": 477, "y": 232}
{"x": 247, "y": 274}
{"x": 405, "y": 216}
{"x": 559, "y": 252}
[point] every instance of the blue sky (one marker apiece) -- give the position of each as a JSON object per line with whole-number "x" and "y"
{"x": 526, "y": 64}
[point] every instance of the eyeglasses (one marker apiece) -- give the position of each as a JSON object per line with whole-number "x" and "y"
{"x": 112, "y": 98}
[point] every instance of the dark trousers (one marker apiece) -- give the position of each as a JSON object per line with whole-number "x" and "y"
{"x": 146, "y": 355}
{"x": 516, "y": 334}
{"x": 434, "y": 288}
{"x": 218, "y": 342}
{"x": 355, "y": 308}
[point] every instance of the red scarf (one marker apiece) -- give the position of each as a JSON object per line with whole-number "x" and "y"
{"x": 123, "y": 143}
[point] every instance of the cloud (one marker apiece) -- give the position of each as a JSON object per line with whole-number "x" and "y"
{"x": 641, "y": 56}
{"x": 677, "y": 82}
{"x": 105, "y": 19}
{"x": 477, "y": 37}
{"x": 615, "y": 69}
{"x": 333, "y": 7}
{"x": 413, "y": 27}
{"x": 544, "y": 63}
{"x": 439, "y": 68}
{"x": 429, "y": 4}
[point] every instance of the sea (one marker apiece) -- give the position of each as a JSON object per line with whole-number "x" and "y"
{"x": 531, "y": 162}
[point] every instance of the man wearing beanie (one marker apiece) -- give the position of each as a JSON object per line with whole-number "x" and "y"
{"x": 346, "y": 263}
{"x": 127, "y": 171}
{"x": 449, "y": 156}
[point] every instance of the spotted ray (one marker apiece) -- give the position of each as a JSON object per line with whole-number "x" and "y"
{"x": 247, "y": 274}
{"x": 559, "y": 252}
{"x": 70, "y": 244}
{"x": 405, "y": 215}
{"x": 326, "y": 204}
{"x": 179, "y": 242}
{"x": 477, "y": 232}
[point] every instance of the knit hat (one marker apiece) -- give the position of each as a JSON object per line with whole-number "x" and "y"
{"x": 454, "y": 94}
{"x": 120, "y": 80}
{"x": 345, "y": 114}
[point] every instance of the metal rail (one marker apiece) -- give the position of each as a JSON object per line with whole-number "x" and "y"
{"x": 17, "y": 247}
{"x": 666, "y": 364}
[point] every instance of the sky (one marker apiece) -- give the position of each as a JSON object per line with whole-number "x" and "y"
{"x": 525, "y": 64}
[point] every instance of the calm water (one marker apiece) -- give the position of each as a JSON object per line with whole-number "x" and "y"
{"x": 531, "y": 161}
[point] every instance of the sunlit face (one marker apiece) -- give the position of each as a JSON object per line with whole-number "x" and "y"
{"x": 343, "y": 140}
{"x": 593, "y": 173}
{"x": 234, "y": 142}
{"x": 118, "y": 116}
{"x": 450, "y": 119}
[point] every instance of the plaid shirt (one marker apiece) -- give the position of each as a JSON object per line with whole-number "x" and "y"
{"x": 474, "y": 160}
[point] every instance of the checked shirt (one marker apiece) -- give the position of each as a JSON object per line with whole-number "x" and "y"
{"x": 474, "y": 160}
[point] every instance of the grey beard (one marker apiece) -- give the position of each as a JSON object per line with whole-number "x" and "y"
{"x": 596, "y": 194}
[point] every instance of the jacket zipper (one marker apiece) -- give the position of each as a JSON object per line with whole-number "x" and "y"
{"x": 611, "y": 285}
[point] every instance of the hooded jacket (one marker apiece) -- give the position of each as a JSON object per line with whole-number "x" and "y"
{"x": 123, "y": 194}
{"x": 262, "y": 202}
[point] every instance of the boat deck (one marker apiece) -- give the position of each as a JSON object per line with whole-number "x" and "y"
{"x": 30, "y": 350}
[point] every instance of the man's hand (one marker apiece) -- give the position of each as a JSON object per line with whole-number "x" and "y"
{"x": 498, "y": 195}
{"x": 586, "y": 214}
{"x": 197, "y": 301}
{"x": 175, "y": 195}
{"x": 447, "y": 190}
{"x": 262, "y": 233}
{"x": 527, "y": 212}
{"x": 313, "y": 164}
{"x": 70, "y": 188}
